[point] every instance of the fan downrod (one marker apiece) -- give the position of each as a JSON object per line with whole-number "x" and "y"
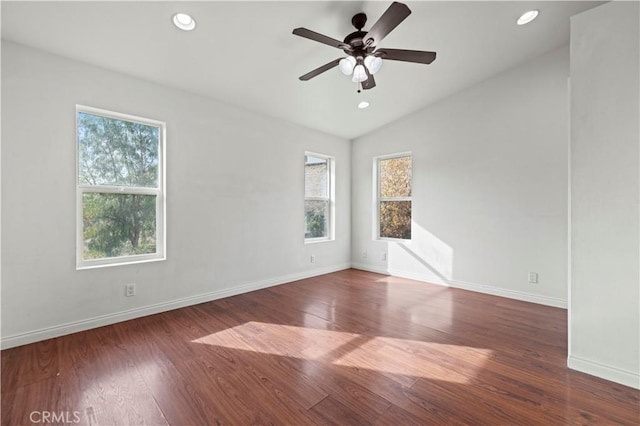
{"x": 358, "y": 21}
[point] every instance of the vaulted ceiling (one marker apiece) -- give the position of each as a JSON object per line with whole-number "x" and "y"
{"x": 243, "y": 53}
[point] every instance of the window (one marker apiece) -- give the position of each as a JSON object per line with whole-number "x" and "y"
{"x": 120, "y": 188}
{"x": 318, "y": 197}
{"x": 394, "y": 196}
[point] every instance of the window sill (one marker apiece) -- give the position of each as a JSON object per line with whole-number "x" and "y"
{"x": 393, "y": 240}
{"x": 123, "y": 262}
{"x": 318, "y": 240}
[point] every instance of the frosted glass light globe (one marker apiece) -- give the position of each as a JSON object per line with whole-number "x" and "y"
{"x": 346, "y": 65}
{"x": 373, "y": 64}
{"x": 359, "y": 74}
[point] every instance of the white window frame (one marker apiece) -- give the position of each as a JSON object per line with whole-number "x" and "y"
{"x": 159, "y": 192}
{"x": 331, "y": 198}
{"x": 377, "y": 199}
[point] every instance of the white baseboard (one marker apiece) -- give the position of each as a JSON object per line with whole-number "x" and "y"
{"x": 102, "y": 320}
{"x": 627, "y": 378}
{"x": 511, "y": 294}
{"x": 479, "y": 288}
{"x": 398, "y": 273}
{"x": 369, "y": 268}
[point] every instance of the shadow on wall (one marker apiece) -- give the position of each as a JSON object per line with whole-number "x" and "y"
{"x": 425, "y": 251}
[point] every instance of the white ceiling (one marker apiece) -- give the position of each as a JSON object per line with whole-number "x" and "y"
{"x": 243, "y": 53}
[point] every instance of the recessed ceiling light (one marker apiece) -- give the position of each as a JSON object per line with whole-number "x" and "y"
{"x": 527, "y": 17}
{"x": 363, "y": 105}
{"x": 184, "y": 22}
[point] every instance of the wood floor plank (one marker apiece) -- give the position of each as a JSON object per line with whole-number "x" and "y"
{"x": 398, "y": 416}
{"x": 256, "y": 356}
{"x": 28, "y": 364}
{"x": 23, "y": 404}
{"x": 179, "y": 401}
{"x": 332, "y": 411}
{"x": 345, "y": 348}
{"x": 109, "y": 385}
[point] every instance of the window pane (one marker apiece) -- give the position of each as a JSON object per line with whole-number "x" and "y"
{"x": 118, "y": 225}
{"x": 395, "y": 219}
{"x": 316, "y": 181}
{"x": 395, "y": 177}
{"x": 316, "y": 213}
{"x": 117, "y": 152}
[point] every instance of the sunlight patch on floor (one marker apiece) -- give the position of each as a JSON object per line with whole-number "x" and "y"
{"x": 430, "y": 360}
{"x": 277, "y": 339}
{"x": 383, "y": 354}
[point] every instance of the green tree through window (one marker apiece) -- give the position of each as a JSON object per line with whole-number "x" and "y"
{"x": 119, "y": 182}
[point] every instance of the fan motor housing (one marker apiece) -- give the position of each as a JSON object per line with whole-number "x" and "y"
{"x": 358, "y": 48}
{"x": 355, "y": 39}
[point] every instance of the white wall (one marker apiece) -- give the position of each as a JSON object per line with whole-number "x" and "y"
{"x": 605, "y": 200}
{"x": 489, "y": 186}
{"x": 235, "y": 191}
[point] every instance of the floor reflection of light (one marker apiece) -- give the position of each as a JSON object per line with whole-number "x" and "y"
{"x": 105, "y": 390}
{"x": 383, "y": 354}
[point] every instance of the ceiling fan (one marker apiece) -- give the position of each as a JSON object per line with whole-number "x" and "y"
{"x": 364, "y": 58}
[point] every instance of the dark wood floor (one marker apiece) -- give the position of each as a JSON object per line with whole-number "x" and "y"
{"x": 345, "y": 348}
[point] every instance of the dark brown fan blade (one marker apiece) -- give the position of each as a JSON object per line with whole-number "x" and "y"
{"x": 417, "y": 56}
{"x": 312, "y": 35}
{"x": 320, "y": 70}
{"x": 390, "y": 19}
{"x": 370, "y": 82}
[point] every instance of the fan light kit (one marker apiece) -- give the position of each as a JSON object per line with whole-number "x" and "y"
{"x": 527, "y": 17}
{"x": 184, "y": 22}
{"x": 350, "y": 65}
{"x": 364, "y": 58}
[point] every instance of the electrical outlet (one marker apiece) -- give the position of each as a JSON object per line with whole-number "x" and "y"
{"x": 533, "y": 278}
{"x": 130, "y": 290}
{"x": 364, "y": 254}
{"x": 312, "y": 259}
{"x": 383, "y": 256}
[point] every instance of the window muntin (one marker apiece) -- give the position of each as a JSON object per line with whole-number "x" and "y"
{"x": 318, "y": 197}
{"x": 394, "y": 182}
{"x": 120, "y": 188}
